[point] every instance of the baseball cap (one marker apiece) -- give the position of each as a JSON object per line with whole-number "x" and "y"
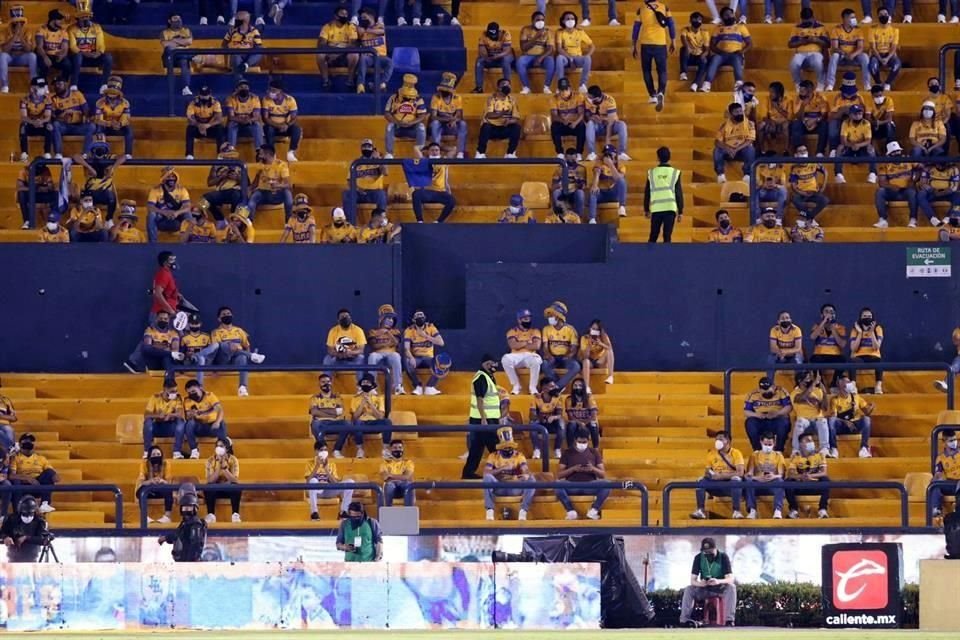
{"x": 708, "y": 544}
{"x": 367, "y": 142}
{"x": 516, "y": 200}
{"x": 338, "y": 214}
{"x": 38, "y": 82}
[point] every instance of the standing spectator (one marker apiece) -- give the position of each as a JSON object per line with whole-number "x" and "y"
{"x": 882, "y": 112}
{"x": 808, "y": 40}
{"x": 597, "y": 351}
{"x": 340, "y": 231}
{"x": 808, "y": 116}
{"x": 574, "y": 49}
{"x": 866, "y": 340}
{"x": 945, "y": 467}
{"x": 524, "y": 341}
{"x": 601, "y": 117}
{"x": 786, "y": 342}
{"x": 439, "y": 189}
{"x": 560, "y": 343}
{"x": 164, "y": 417}
{"x": 829, "y": 340}
{"x": 729, "y": 45}
{"x": 16, "y": 48}
{"x": 724, "y": 232}
{"x": 806, "y": 465}
{"x": 609, "y": 183}
{"x": 27, "y": 467}
{"x": 384, "y": 342}
{"x": 810, "y": 403}
{"x": 8, "y": 416}
{"x": 272, "y": 185}
{"x": 572, "y": 193}
{"x": 846, "y": 49}
{"x": 69, "y": 115}
{"x": 301, "y": 227}
{"x": 204, "y": 415}
{"x": 155, "y": 471}
{"x": 767, "y": 409}
{"x": 339, "y": 33}
{"x": 936, "y": 183}
{"x": 856, "y": 141}
{"x": 280, "y": 118}
{"x": 582, "y": 412}
{"x": 36, "y": 119}
{"x": 244, "y": 115}
{"x": 771, "y": 182}
{"x": 321, "y": 470}
{"x": 774, "y": 126}
{"x": 167, "y": 204}
{"x": 884, "y": 45}
{"x": 369, "y": 181}
{"x": 711, "y": 575}
{"x": 568, "y": 118}
{"x": 345, "y": 343}
{"x": 581, "y": 463}
{"x": 373, "y": 35}
{"x": 694, "y": 50}
{"x": 420, "y": 340}
{"x": 504, "y": 466}
{"x": 226, "y": 181}
{"x": 366, "y": 410}
{"x": 53, "y": 47}
{"x": 501, "y": 121}
{"x": 205, "y": 120}
{"x": 663, "y": 197}
{"x": 766, "y": 465}
{"x": 359, "y": 536}
{"x": 245, "y": 38}
{"x": 547, "y": 411}
{"x": 326, "y": 409}
{"x": 849, "y": 413}
{"x": 724, "y": 464}
{"x": 177, "y": 36}
{"x": 446, "y": 114}
{"x": 159, "y": 348}
{"x": 494, "y": 50}
{"x": 397, "y": 474}
{"x": 406, "y": 116}
{"x": 536, "y": 50}
{"x": 928, "y": 135}
{"x": 233, "y": 347}
{"x": 657, "y": 34}
{"x": 895, "y": 184}
{"x": 223, "y": 468}
{"x": 89, "y": 48}
{"x": 734, "y": 141}
{"x": 112, "y": 114}
{"x": 485, "y": 409}
{"x": 808, "y": 182}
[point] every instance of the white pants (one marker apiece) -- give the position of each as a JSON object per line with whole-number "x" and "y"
{"x": 346, "y": 495}
{"x": 531, "y": 361}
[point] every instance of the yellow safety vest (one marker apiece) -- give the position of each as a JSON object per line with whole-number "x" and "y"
{"x": 663, "y": 184}
{"x": 491, "y": 400}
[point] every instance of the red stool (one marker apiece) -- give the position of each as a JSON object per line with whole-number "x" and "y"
{"x": 713, "y": 611}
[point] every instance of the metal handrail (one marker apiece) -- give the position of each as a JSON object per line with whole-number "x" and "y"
{"x": 467, "y": 428}
{"x": 28, "y": 489}
{"x": 943, "y": 485}
{"x": 626, "y": 485}
{"x": 935, "y": 438}
{"x": 163, "y": 489}
{"x": 720, "y": 485}
{"x": 273, "y": 51}
{"x": 833, "y": 366}
{"x": 942, "y": 60}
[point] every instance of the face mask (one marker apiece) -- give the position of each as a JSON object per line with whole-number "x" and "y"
{"x": 172, "y": 395}
{"x": 951, "y": 444}
{"x": 514, "y": 210}
{"x": 719, "y": 444}
{"x": 435, "y": 154}
{"x": 766, "y": 448}
{"x": 344, "y": 322}
{"x": 866, "y": 319}
{"x": 302, "y": 215}
{"x": 397, "y": 454}
{"x": 186, "y": 513}
{"x": 366, "y": 388}
{"x": 507, "y": 453}
{"x": 52, "y": 226}
{"x": 769, "y": 224}
{"x": 803, "y": 154}
{"x": 748, "y": 97}
{"x": 342, "y": 19}
{"x": 325, "y": 387}
{"x": 850, "y": 387}
{"x": 696, "y": 24}
{"x": 26, "y": 447}
{"x": 493, "y": 35}
{"x": 176, "y": 24}
{"x": 220, "y": 451}
{"x": 927, "y": 113}
{"x": 767, "y": 394}
{"x": 366, "y": 153}
{"x": 581, "y": 446}
{"x": 809, "y": 447}
{"x": 322, "y": 454}
{"x": 785, "y": 324}
{"x": 26, "y": 519}
{"x": 162, "y": 324}
{"x": 578, "y": 391}
{"x": 852, "y": 21}
{"x": 595, "y": 332}
{"x": 505, "y": 90}
{"x": 884, "y": 19}
{"x": 728, "y": 21}
{"x": 552, "y": 321}
{"x": 538, "y": 25}
{"x": 555, "y": 392}
{"x": 196, "y": 396}
{"x": 934, "y": 88}
{"x": 227, "y": 319}
{"x": 365, "y": 23}
{"x": 243, "y": 93}
{"x": 737, "y": 117}
{"x": 525, "y": 324}
{"x": 87, "y": 206}
{"x": 724, "y": 224}
{"x": 570, "y": 24}
{"x": 879, "y": 101}
{"x": 420, "y": 322}
{"x": 156, "y": 460}
{"x": 356, "y": 520}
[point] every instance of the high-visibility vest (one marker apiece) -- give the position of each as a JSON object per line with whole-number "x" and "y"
{"x": 663, "y": 184}
{"x": 491, "y": 400}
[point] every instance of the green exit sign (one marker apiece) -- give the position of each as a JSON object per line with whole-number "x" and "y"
{"x": 928, "y": 262}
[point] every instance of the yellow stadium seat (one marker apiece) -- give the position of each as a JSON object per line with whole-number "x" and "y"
{"x": 130, "y": 428}
{"x": 916, "y": 484}
{"x": 948, "y": 416}
{"x": 536, "y": 195}
{"x": 398, "y": 192}
{"x": 733, "y": 186}
{"x": 536, "y": 126}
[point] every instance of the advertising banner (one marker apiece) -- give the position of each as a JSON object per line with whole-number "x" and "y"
{"x": 862, "y": 585}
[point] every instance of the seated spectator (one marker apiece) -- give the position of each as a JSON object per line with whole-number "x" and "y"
{"x": 808, "y": 116}
{"x": 547, "y": 411}
{"x": 601, "y": 117}
{"x": 884, "y": 47}
{"x": 339, "y": 231}
{"x": 112, "y": 114}
{"x": 369, "y": 180}
{"x": 950, "y": 229}
{"x": 573, "y": 195}
{"x": 724, "y": 232}
{"x": 808, "y": 41}
{"x": 36, "y": 119}
{"x": 516, "y": 213}
{"x": 772, "y": 184}
{"x": 280, "y": 118}
{"x": 810, "y": 403}
{"x": 196, "y": 346}
{"x": 85, "y": 221}
{"x": 559, "y": 344}
{"x": 226, "y": 181}
{"x": 774, "y": 126}
{"x": 379, "y": 230}
{"x": 168, "y": 205}
{"x": 928, "y": 135}
{"x": 159, "y": 348}
{"x": 204, "y": 415}
{"x": 734, "y": 141}
{"x": 943, "y": 103}
{"x": 568, "y": 118}
{"x": 494, "y": 50}
{"x": 609, "y": 183}
{"x": 8, "y": 416}
{"x": 536, "y": 50}
{"x": 88, "y": 47}
{"x": 16, "y": 48}
{"x": 366, "y": 410}
{"x": 710, "y": 576}
{"x": 222, "y": 468}
{"x": 177, "y": 36}
{"x": 849, "y": 413}
{"x": 53, "y": 47}
{"x": 560, "y": 213}
{"x": 786, "y": 342}
{"x": 244, "y": 115}
{"x": 397, "y": 474}
{"x": 524, "y": 341}
{"x": 446, "y": 114}
{"x": 895, "y": 185}
{"x": 272, "y": 185}
{"x": 597, "y": 351}
{"x": 233, "y": 347}
{"x": 29, "y": 468}
{"x": 574, "y": 49}
{"x": 155, "y": 471}
{"x": 767, "y": 409}
{"x": 856, "y": 141}
{"x": 504, "y": 466}
{"x": 847, "y": 49}
{"x": 829, "y": 340}
{"x": 936, "y": 183}
{"x": 45, "y": 196}
{"x": 384, "y": 342}
{"x": 321, "y": 470}
{"x": 339, "y": 33}
{"x": 326, "y": 409}
{"x": 242, "y": 40}
{"x": 840, "y": 108}
{"x": 806, "y": 465}
{"x": 746, "y": 95}
{"x": 582, "y": 412}
{"x": 439, "y": 189}
{"x": 728, "y": 45}
{"x": 239, "y": 229}
{"x": 345, "y": 343}
{"x": 406, "y": 116}
{"x": 945, "y": 467}
{"x": 585, "y": 8}
{"x": 373, "y": 34}
{"x": 53, "y": 232}
{"x": 420, "y": 340}
{"x": 301, "y": 227}
{"x": 724, "y": 464}
{"x": 501, "y": 121}
{"x": 126, "y": 231}
{"x": 205, "y": 120}
{"x": 766, "y": 465}
{"x": 694, "y": 50}
{"x": 581, "y": 463}
{"x": 882, "y": 113}
{"x": 808, "y": 182}
{"x": 69, "y": 115}
{"x": 866, "y": 340}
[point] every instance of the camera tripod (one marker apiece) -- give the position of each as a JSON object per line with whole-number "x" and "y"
{"x": 47, "y": 552}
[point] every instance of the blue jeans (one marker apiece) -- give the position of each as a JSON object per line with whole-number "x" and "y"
{"x": 90, "y": 236}
{"x": 777, "y": 195}
{"x": 926, "y": 195}
{"x": 429, "y": 196}
{"x": 488, "y": 494}
{"x": 619, "y": 129}
{"x": 84, "y": 129}
{"x": 385, "y": 435}
{"x": 28, "y": 60}
{"x": 747, "y": 155}
{"x": 394, "y": 360}
{"x": 104, "y": 62}
{"x": 575, "y": 62}
{"x": 892, "y": 194}
{"x": 563, "y": 496}
{"x": 164, "y": 429}
{"x": 318, "y": 427}
{"x": 734, "y": 494}
{"x": 920, "y": 152}
{"x": 367, "y": 62}
{"x": 7, "y": 439}
{"x": 861, "y": 426}
{"x": 265, "y": 196}
{"x": 550, "y": 364}
{"x": 733, "y": 60}
{"x": 617, "y": 194}
{"x": 194, "y": 429}
{"x": 422, "y": 362}
{"x": 954, "y": 7}
{"x": 887, "y": 4}
{"x": 796, "y": 358}
{"x": 329, "y": 360}
{"x": 376, "y": 197}
{"x": 756, "y": 427}
{"x": 485, "y": 63}
{"x": 151, "y": 357}
{"x": 866, "y": 152}
{"x": 183, "y": 62}
{"x": 575, "y": 198}
{"x": 812, "y": 60}
{"x": 202, "y": 358}
{"x": 799, "y": 132}
{"x": 802, "y": 425}
{"x": 650, "y": 55}
{"x": 237, "y": 358}
{"x": 556, "y": 428}
{"x": 397, "y": 489}
{"x": 753, "y": 492}
{"x": 861, "y": 60}
{"x": 237, "y": 61}
{"x": 818, "y": 200}
{"x": 894, "y": 65}
{"x": 416, "y": 8}
{"x": 525, "y": 62}
{"x": 418, "y": 132}
{"x": 774, "y": 8}
{"x": 255, "y": 131}
{"x": 458, "y": 129}
{"x": 157, "y": 223}
{"x": 687, "y": 61}
{"x": 293, "y": 133}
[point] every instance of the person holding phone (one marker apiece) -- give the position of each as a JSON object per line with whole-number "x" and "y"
{"x": 866, "y": 340}
{"x": 359, "y": 536}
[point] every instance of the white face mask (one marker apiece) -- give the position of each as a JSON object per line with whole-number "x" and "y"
{"x": 52, "y": 226}
{"x": 879, "y": 100}
{"x": 552, "y": 321}
{"x": 803, "y": 154}
{"x": 851, "y": 387}
{"x": 26, "y": 519}
{"x": 809, "y": 447}
{"x": 514, "y": 210}
{"x": 927, "y": 113}
{"x": 220, "y": 451}
{"x": 766, "y": 448}
{"x": 951, "y": 444}
{"x": 719, "y": 444}
{"x": 42, "y": 91}
{"x": 383, "y": 222}
{"x": 581, "y": 446}
{"x": 772, "y": 165}
{"x": 322, "y": 454}
{"x": 172, "y": 396}
{"x": 853, "y": 22}
{"x": 570, "y": 24}
{"x": 594, "y": 332}
{"x": 539, "y": 24}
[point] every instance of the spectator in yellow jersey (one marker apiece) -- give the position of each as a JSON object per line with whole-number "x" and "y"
{"x": 609, "y": 183}
{"x": 596, "y": 350}
{"x": 729, "y": 45}
{"x": 734, "y": 141}
{"x": 746, "y": 95}
{"x": 222, "y": 468}
{"x": 808, "y": 115}
{"x": 280, "y": 118}
{"x": 773, "y": 123}
{"x": 89, "y": 48}
{"x": 724, "y": 232}
{"x": 546, "y": 410}
{"x": 36, "y": 119}
{"x": 840, "y": 106}
{"x": 810, "y": 405}
{"x": 339, "y": 33}
{"x": 785, "y": 342}
{"x": 801, "y": 232}
{"x": 895, "y": 184}
{"x": 321, "y": 470}
{"x": 245, "y": 38}
{"x": 345, "y": 343}
{"x": 808, "y": 41}
{"x": 167, "y": 204}
{"x": 384, "y": 343}
{"x": 446, "y": 113}
{"x": 524, "y": 341}
{"x": 53, "y": 47}
{"x": 367, "y": 410}
{"x": 420, "y": 341}
{"x": 406, "y": 116}
{"x": 724, "y": 464}
{"x": 866, "y": 340}
{"x": 807, "y": 183}
{"x": 849, "y": 413}
{"x": 573, "y": 192}
{"x": 806, "y": 465}
{"x": 53, "y": 232}
{"x": 69, "y": 115}
{"x": 882, "y": 112}
{"x": 574, "y": 49}
{"x": 941, "y": 385}
{"x": 501, "y": 121}
{"x": 369, "y": 180}
{"x": 536, "y": 50}
{"x": 765, "y": 465}
{"x": 847, "y": 49}
{"x": 99, "y": 167}
{"x": 301, "y": 227}
{"x": 568, "y": 118}
{"x": 856, "y": 141}
{"x": 950, "y": 230}
{"x": 195, "y": 344}
{"x": 46, "y": 195}
{"x": 164, "y": 417}
{"x": 516, "y": 213}
{"x": 504, "y": 466}
{"x": 771, "y": 184}
{"x": 379, "y": 230}
{"x": 233, "y": 347}
{"x": 494, "y": 50}
{"x": 373, "y": 34}
{"x": 928, "y": 135}
{"x": 177, "y": 36}
{"x": 159, "y": 348}
{"x": 29, "y": 468}
{"x": 225, "y": 180}
{"x": 126, "y": 232}
{"x": 244, "y": 115}
{"x": 561, "y": 213}
{"x": 239, "y": 229}
{"x": 16, "y": 47}
{"x": 945, "y": 467}
{"x": 694, "y": 50}
{"x": 272, "y": 185}
{"x": 943, "y": 104}
{"x": 601, "y": 118}
{"x": 339, "y": 231}
{"x": 204, "y": 415}
{"x": 560, "y": 344}
{"x": 936, "y": 183}
{"x": 154, "y": 471}
{"x": 326, "y": 408}
{"x": 205, "y": 120}
{"x": 657, "y": 34}
{"x": 884, "y": 47}
{"x": 767, "y": 409}
{"x": 397, "y": 474}
{"x": 112, "y": 114}
{"x": 581, "y": 411}
{"x": 86, "y": 222}
{"x": 439, "y": 189}
{"x": 829, "y": 340}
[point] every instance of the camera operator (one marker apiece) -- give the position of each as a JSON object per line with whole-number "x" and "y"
{"x": 24, "y": 533}
{"x": 191, "y": 535}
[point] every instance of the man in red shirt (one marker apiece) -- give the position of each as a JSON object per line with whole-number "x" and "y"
{"x": 166, "y": 296}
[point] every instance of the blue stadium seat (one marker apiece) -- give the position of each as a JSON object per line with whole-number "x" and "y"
{"x": 406, "y": 60}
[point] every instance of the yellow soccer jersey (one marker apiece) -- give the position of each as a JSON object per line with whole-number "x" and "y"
{"x": 814, "y": 463}
{"x": 236, "y": 39}
{"x": 850, "y": 407}
{"x": 366, "y": 415}
{"x": 277, "y": 113}
{"x": 809, "y": 408}
{"x": 419, "y": 346}
{"x": 394, "y": 467}
{"x": 948, "y": 465}
{"x": 164, "y": 339}
{"x": 757, "y": 403}
{"x": 205, "y": 408}
{"x": 514, "y": 463}
{"x": 717, "y": 463}
{"x": 204, "y": 113}
{"x": 759, "y": 233}
{"x": 651, "y": 31}
{"x": 160, "y": 405}
{"x": 406, "y": 111}
{"x": 856, "y": 132}
{"x": 732, "y": 39}
{"x": 113, "y": 114}
{"x": 448, "y": 104}
{"x": 559, "y": 342}
{"x": 231, "y": 335}
{"x": 847, "y": 41}
{"x": 36, "y": 109}
{"x": 130, "y": 235}
{"x": 69, "y": 109}
{"x": 870, "y": 341}
{"x": 580, "y": 412}
{"x": 383, "y": 339}
{"x": 730, "y": 236}
{"x": 540, "y": 39}
{"x": 199, "y": 232}
{"x": 573, "y": 41}
{"x": 884, "y": 38}
{"x": 338, "y": 35}
{"x": 696, "y": 42}
{"x": 193, "y": 343}
{"x": 302, "y": 231}
{"x": 816, "y": 30}
{"x": 734, "y": 134}
{"x": 347, "y": 234}
{"x": 773, "y": 463}
{"x": 500, "y": 109}
{"x": 570, "y": 107}
{"x": 89, "y": 40}
{"x": 498, "y": 45}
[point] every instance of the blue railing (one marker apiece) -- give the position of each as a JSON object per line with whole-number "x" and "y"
{"x": 30, "y": 489}
{"x": 948, "y": 487}
{"x": 942, "y": 60}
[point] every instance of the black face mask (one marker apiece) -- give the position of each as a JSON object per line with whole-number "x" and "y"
{"x": 785, "y": 324}
{"x": 366, "y": 388}
{"x": 493, "y": 35}
{"x": 572, "y": 163}
{"x": 578, "y": 391}
{"x": 226, "y": 319}
{"x": 696, "y": 24}
{"x": 729, "y": 21}
{"x": 156, "y": 460}
{"x": 420, "y": 322}
{"x": 365, "y": 23}
{"x": 525, "y": 324}
{"x": 366, "y": 153}
{"x": 187, "y": 513}
{"x": 325, "y": 388}
{"x": 724, "y": 224}
{"x": 934, "y": 88}
{"x": 302, "y": 215}
{"x": 769, "y": 224}
{"x": 397, "y": 454}
{"x": 505, "y": 90}
{"x": 884, "y": 19}
{"x": 866, "y": 320}
{"x": 507, "y": 453}
{"x": 243, "y": 93}
{"x": 555, "y": 392}
{"x": 345, "y": 322}
{"x": 162, "y": 324}
{"x": 343, "y": 19}
{"x": 26, "y": 447}
{"x": 196, "y": 396}
{"x": 767, "y": 394}
{"x": 737, "y": 117}
{"x": 356, "y": 520}
{"x": 195, "y": 329}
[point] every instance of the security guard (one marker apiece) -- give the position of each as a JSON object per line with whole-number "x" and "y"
{"x": 484, "y": 409}
{"x": 663, "y": 197}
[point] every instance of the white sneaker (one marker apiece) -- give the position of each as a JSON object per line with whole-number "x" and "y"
{"x": 866, "y": 20}
{"x": 822, "y": 514}
{"x": 825, "y": 453}
{"x": 490, "y": 514}
{"x": 464, "y": 455}
{"x": 954, "y": 19}
{"x": 752, "y": 514}
{"x": 479, "y": 156}
{"x": 25, "y": 157}
{"x": 583, "y": 89}
{"x": 589, "y": 391}
{"x": 510, "y": 156}
{"x": 203, "y": 22}
{"x": 145, "y": 454}
{"x": 360, "y": 454}
{"x": 46, "y": 507}
{"x": 194, "y": 454}
{"x": 235, "y": 518}
{"x": 935, "y": 221}
{"x": 839, "y": 179}
{"x": 777, "y": 514}
{"x": 705, "y": 87}
{"x": 4, "y": 89}
{"x": 454, "y": 22}
{"x": 829, "y": 87}
{"x": 833, "y": 453}
{"x": 746, "y": 179}
{"x": 767, "y": 19}
{"x": 694, "y": 87}
{"x": 242, "y": 391}
{"x": 431, "y": 391}
{"x": 608, "y": 380}
{"x": 556, "y": 454}
{"x": 865, "y": 453}
{"x": 878, "y": 390}
{"x": 354, "y": 20}
{"x": 593, "y": 514}
{"x": 613, "y": 23}
{"x": 400, "y": 391}
{"x": 833, "y": 153}
{"x": 459, "y": 155}
{"x": 591, "y": 156}
{"x": 737, "y": 85}
{"x": 743, "y": 19}
{"x": 872, "y": 178}
{"x": 585, "y": 22}
{"x": 941, "y": 19}
{"x": 794, "y": 514}
{"x": 211, "y": 518}
{"x": 571, "y": 515}
{"x": 716, "y": 21}
{"x": 189, "y": 157}
{"x": 652, "y": 100}
{"x": 536, "y": 454}
{"x": 721, "y": 178}
{"x": 907, "y": 19}
{"x": 622, "y": 211}
{"x": 257, "y": 358}
{"x": 532, "y": 391}
{"x": 522, "y": 515}
{"x": 232, "y": 21}
{"x": 164, "y": 519}
{"x": 546, "y": 91}
{"x": 103, "y": 89}
{"x": 623, "y": 156}
{"x": 177, "y": 455}
{"x": 401, "y": 22}
{"x": 220, "y": 20}
{"x": 337, "y": 453}
{"x": 427, "y": 22}
{"x": 418, "y": 391}
{"x": 24, "y": 227}
{"x": 683, "y": 76}
{"x": 260, "y": 22}
{"x": 515, "y": 391}
{"x": 940, "y": 385}
{"x": 737, "y": 515}
{"x": 416, "y": 22}
{"x": 525, "y": 91}
{"x": 292, "y": 157}
{"x": 388, "y": 156}
{"x": 698, "y": 515}
{"x": 881, "y": 224}
{"x": 912, "y": 224}
{"x": 886, "y": 87}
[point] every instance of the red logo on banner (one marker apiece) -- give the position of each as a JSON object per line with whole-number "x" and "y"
{"x": 860, "y": 580}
